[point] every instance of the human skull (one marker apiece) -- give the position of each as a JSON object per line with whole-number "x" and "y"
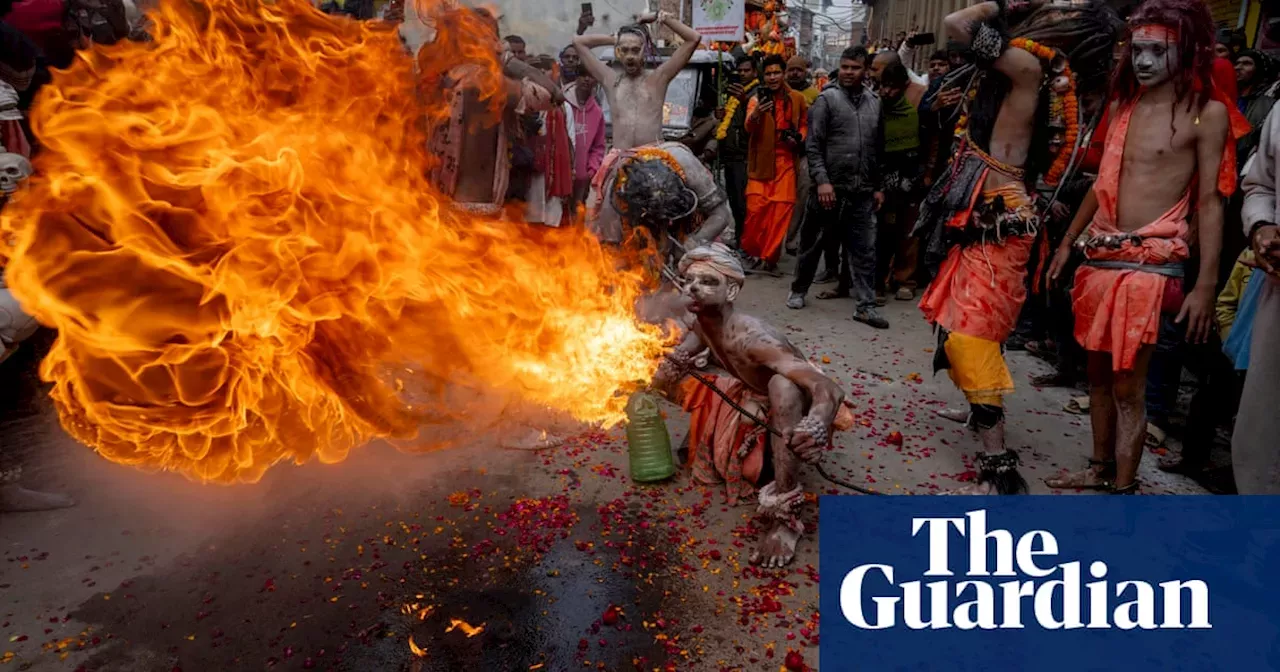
{"x": 14, "y": 168}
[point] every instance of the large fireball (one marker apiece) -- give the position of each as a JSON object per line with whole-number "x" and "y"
{"x": 232, "y": 231}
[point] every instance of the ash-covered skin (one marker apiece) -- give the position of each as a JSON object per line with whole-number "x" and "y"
{"x": 712, "y": 204}
{"x": 1153, "y": 60}
{"x": 636, "y": 95}
{"x": 803, "y": 402}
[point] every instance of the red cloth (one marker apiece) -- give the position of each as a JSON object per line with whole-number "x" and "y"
{"x": 980, "y": 288}
{"x": 559, "y": 168}
{"x": 39, "y": 20}
{"x": 1097, "y": 144}
{"x": 724, "y": 448}
{"x": 1224, "y": 91}
{"x": 1118, "y": 311}
{"x": 13, "y": 139}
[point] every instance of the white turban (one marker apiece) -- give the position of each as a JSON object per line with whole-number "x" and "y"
{"x": 719, "y": 257}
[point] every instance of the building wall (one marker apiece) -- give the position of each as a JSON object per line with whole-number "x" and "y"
{"x": 925, "y": 16}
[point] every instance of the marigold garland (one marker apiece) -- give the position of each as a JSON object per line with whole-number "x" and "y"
{"x": 648, "y": 154}
{"x": 1070, "y": 108}
{"x": 731, "y": 109}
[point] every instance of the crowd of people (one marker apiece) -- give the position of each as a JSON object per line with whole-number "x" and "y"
{"x": 987, "y": 186}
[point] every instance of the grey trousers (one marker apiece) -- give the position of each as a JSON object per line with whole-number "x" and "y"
{"x": 1255, "y": 448}
{"x": 803, "y": 187}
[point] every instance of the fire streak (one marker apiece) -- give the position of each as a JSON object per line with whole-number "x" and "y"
{"x": 231, "y": 230}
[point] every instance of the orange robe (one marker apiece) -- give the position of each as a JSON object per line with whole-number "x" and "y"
{"x": 770, "y": 204}
{"x": 726, "y": 448}
{"x": 1118, "y": 311}
{"x": 980, "y": 288}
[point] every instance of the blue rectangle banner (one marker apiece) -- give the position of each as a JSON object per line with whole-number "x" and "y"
{"x": 1050, "y": 583}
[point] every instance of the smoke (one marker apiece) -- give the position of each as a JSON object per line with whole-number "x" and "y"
{"x": 547, "y": 26}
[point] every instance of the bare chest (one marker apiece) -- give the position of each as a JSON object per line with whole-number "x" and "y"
{"x": 635, "y": 97}
{"x": 732, "y": 345}
{"x": 1160, "y": 140}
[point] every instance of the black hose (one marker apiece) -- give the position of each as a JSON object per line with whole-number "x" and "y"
{"x": 752, "y": 417}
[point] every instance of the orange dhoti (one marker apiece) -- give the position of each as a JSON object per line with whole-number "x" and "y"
{"x": 1121, "y": 288}
{"x": 770, "y": 205}
{"x": 979, "y": 291}
{"x": 726, "y": 448}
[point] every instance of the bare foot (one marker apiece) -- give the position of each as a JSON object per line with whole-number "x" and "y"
{"x": 960, "y": 415}
{"x": 777, "y": 547}
{"x": 1093, "y": 478}
{"x": 16, "y": 499}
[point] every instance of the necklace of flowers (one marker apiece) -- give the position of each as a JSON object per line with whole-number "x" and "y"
{"x": 1064, "y": 103}
{"x": 731, "y": 109}
{"x": 642, "y": 155}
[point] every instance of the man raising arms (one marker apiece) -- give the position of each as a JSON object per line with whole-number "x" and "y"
{"x": 636, "y": 97}
{"x": 1155, "y": 176}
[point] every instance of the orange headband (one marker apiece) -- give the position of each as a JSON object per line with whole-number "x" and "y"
{"x": 1156, "y": 33}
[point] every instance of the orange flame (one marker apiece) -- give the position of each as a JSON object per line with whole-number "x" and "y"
{"x": 466, "y": 628}
{"x": 415, "y": 649}
{"x": 232, "y": 231}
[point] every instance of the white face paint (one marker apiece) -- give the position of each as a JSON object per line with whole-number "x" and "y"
{"x": 1154, "y": 61}
{"x": 708, "y": 288}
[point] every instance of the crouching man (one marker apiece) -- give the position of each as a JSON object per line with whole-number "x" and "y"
{"x": 770, "y": 379}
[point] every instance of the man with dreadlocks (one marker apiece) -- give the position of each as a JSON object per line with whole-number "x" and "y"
{"x": 769, "y": 379}
{"x": 1156, "y": 176}
{"x": 663, "y": 189}
{"x": 980, "y": 219}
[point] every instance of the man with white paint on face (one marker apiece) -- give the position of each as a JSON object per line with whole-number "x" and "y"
{"x": 1156, "y": 175}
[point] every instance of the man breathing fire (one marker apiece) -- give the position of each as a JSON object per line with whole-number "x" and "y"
{"x": 769, "y": 378}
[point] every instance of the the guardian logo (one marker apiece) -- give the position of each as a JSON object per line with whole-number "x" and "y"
{"x": 1020, "y": 582}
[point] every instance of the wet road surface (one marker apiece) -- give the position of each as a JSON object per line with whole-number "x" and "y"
{"x": 552, "y": 558}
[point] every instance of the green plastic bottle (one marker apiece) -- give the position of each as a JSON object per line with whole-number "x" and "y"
{"x": 648, "y": 442}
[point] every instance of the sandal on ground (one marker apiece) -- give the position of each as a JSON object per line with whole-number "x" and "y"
{"x": 1155, "y": 437}
{"x": 1131, "y": 489}
{"x": 1089, "y": 479}
{"x": 829, "y": 294}
{"x": 1077, "y": 405}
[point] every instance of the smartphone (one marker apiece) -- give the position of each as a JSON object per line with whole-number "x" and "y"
{"x": 587, "y": 8}
{"x": 922, "y": 39}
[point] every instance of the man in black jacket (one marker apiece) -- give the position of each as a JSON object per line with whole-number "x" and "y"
{"x": 845, "y": 142}
{"x": 731, "y": 142}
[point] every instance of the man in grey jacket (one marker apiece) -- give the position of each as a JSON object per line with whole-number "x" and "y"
{"x": 1255, "y": 454}
{"x": 846, "y": 139}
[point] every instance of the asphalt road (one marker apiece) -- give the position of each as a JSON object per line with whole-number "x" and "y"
{"x": 489, "y": 558}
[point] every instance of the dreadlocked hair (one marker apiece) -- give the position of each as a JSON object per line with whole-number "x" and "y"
{"x": 1194, "y": 26}
{"x": 652, "y": 193}
{"x": 1085, "y": 34}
